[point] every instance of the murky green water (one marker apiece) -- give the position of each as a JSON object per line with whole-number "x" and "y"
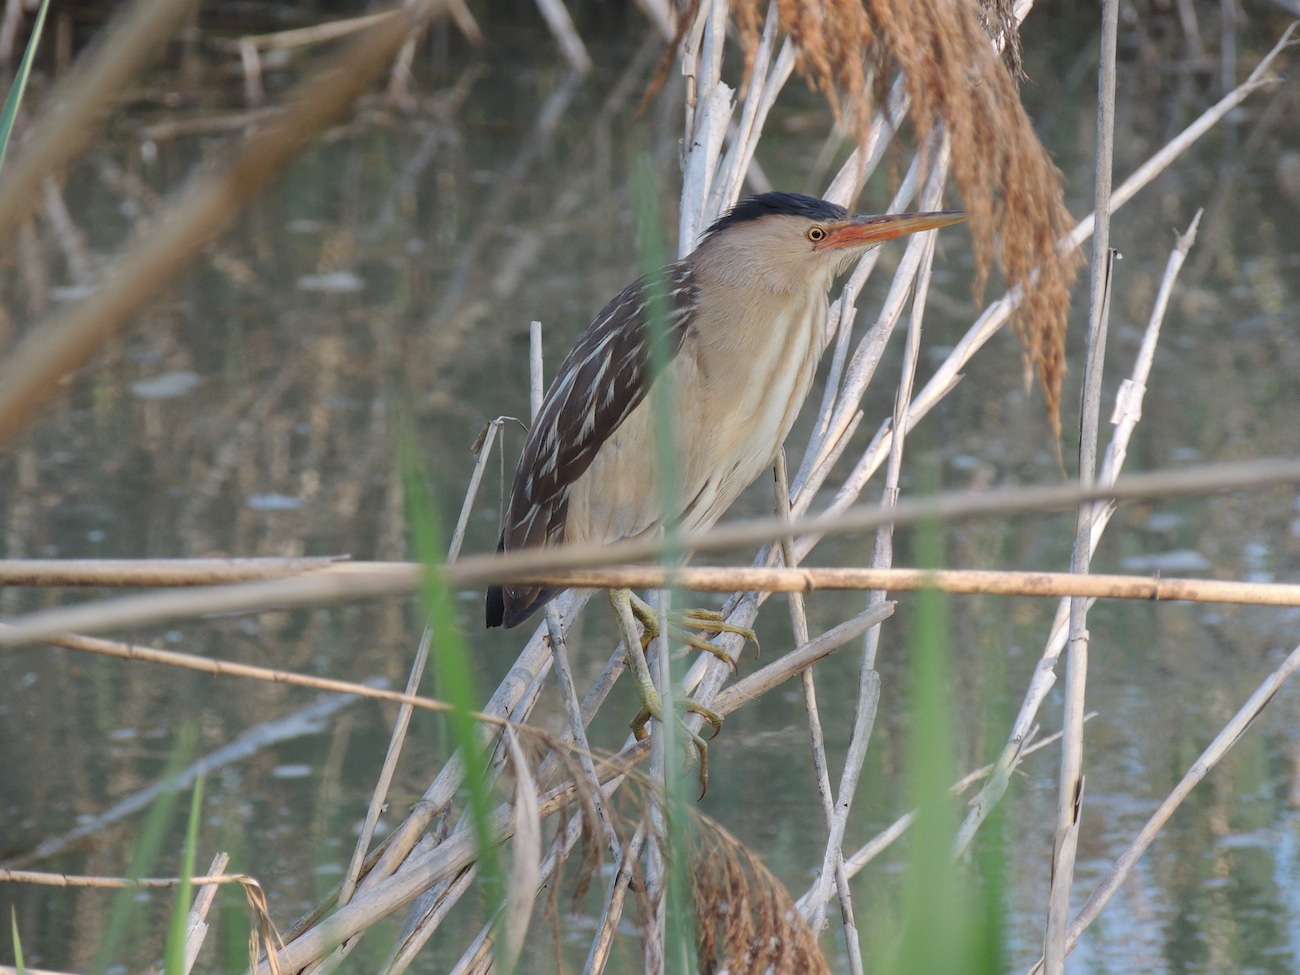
{"x": 251, "y": 410}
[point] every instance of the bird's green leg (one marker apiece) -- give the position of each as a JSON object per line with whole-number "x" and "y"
{"x": 652, "y": 705}
{"x": 683, "y": 623}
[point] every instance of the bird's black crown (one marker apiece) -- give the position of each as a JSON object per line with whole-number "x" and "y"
{"x": 776, "y": 204}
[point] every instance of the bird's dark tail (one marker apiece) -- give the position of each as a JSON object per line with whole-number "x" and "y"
{"x": 499, "y": 615}
{"x": 526, "y": 600}
{"x": 496, "y": 598}
{"x": 496, "y": 606}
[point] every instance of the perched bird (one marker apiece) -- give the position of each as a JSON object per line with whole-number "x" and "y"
{"x": 745, "y": 316}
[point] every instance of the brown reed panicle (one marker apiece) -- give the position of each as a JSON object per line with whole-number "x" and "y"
{"x": 850, "y": 49}
{"x": 745, "y": 921}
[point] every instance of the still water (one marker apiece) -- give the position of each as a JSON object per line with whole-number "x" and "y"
{"x": 251, "y": 411}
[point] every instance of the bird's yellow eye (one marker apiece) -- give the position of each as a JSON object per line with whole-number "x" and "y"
{"x": 816, "y": 234}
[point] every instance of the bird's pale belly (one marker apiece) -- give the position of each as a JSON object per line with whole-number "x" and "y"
{"x": 728, "y": 430}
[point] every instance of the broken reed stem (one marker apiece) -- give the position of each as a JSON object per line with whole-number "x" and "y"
{"x": 1226, "y": 738}
{"x": 1128, "y": 410}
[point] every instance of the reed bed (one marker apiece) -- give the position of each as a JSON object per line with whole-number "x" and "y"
{"x": 520, "y": 817}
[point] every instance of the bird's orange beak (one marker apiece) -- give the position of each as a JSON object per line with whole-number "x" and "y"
{"x": 863, "y": 231}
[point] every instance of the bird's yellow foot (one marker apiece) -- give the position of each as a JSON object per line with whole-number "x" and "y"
{"x": 652, "y": 707}
{"x": 682, "y": 627}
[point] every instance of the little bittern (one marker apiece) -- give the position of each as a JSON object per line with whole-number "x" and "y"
{"x": 745, "y": 316}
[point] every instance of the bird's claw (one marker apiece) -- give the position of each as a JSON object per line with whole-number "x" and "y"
{"x": 683, "y": 626}
{"x": 652, "y": 707}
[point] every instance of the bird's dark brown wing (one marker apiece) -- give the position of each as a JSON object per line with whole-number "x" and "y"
{"x": 600, "y": 382}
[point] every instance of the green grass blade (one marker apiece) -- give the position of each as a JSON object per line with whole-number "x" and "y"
{"x": 10, "y": 111}
{"x": 453, "y": 672}
{"x": 153, "y": 833}
{"x": 952, "y": 917}
{"x": 679, "y": 936}
{"x": 18, "y": 945}
{"x": 935, "y": 920}
{"x": 178, "y": 929}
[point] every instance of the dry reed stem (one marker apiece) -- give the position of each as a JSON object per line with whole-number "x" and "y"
{"x": 615, "y": 895}
{"x": 196, "y": 923}
{"x": 817, "y": 738}
{"x": 153, "y": 572}
{"x": 287, "y": 40}
{"x": 1207, "y": 120}
{"x": 525, "y": 860}
{"x": 262, "y": 927}
{"x": 45, "y": 878}
{"x": 159, "y": 252}
{"x": 561, "y": 25}
{"x": 402, "y": 577}
{"x": 1071, "y": 782}
{"x": 882, "y": 556}
{"x": 78, "y": 103}
{"x": 365, "y": 580}
{"x": 226, "y": 668}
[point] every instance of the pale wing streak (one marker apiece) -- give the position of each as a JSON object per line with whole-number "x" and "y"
{"x": 601, "y": 381}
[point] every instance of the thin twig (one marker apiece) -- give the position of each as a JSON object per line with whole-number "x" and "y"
{"x": 821, "y": 766}
{"x": 615, "y": 894}
{"x": 379, "y": 795}
{"x": 414, "y": 678}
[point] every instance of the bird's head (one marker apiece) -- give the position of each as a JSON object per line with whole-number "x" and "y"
{"x": 789, "y": 242}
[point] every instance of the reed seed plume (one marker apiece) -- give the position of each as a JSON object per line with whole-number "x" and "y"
{"x": 850, "y": 50}
{"x": 745, "y": 921}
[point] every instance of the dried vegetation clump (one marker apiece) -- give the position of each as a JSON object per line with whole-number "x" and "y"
{"x": 851, "y": 49}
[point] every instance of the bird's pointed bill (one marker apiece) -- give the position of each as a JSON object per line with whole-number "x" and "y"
{"x": 863, "y": 231}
